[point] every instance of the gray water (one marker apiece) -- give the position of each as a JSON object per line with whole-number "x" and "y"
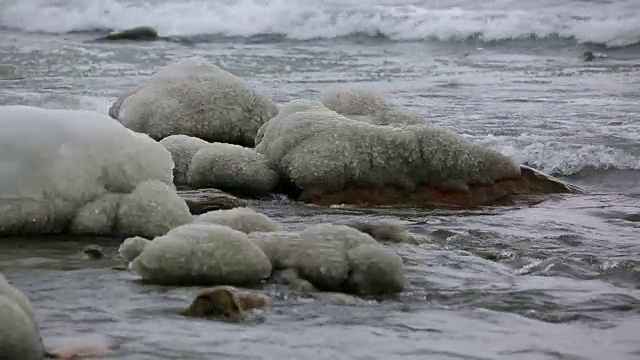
{"x": 559, "y": 280}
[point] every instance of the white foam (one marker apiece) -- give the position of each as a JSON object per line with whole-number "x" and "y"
{"x": 612, "y": 23}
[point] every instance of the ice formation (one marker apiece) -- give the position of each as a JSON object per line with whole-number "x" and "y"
{"x": 319, "y": 149}
{"x": 19, "y": 332}
{"x": 202, "y": 253}
{"x": 182, "y": 149}
{"x": 388, "y": 231}
{"x": 64, "y": 170}
{"x": 370, "y": 107}
{"x": 334, "y": 258}
{"x": 242, "y": 219}
{"x": 232, "y": 168}
{"x": 132, "y": 247}
{"x": 197, "y": 99}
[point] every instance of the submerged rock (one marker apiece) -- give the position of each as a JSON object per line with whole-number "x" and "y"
{"x": 326, "y": 158}
{"x": 205, "y": 200}
{"x": 197, "y": 99}
{"x": 140, "y": 33}
{"x": 94, "y": 252}
{"x": 225, "y": 302}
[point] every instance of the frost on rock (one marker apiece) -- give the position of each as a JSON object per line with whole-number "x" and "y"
{"x": 320, "y": 255}
{"x": 202, "y": 254}
{"x": 197, "y": 99}
{"x": 367, "y": 106}
{"x": 232, "y": 168}
{"x": 98, "y": 216}
{"x": 182, "y": 149}
{"x": 242, "y": 219}
{"x": 19, "y": 332}
{"x": 53, "y": 163}
{"x": 319, "y": 149}
{"x": 152, "y": 209}
{"x": 388, "y": 231}
{"x": 132, "y": 247}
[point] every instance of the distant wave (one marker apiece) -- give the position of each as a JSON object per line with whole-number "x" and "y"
{"x": 611, "y": 24}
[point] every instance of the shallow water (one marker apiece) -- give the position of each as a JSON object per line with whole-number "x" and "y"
{"x": 559, "y": 280}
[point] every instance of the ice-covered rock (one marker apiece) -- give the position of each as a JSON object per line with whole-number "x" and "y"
{"x": 326, "y": 158}
{"x": 19, "y": 332}
{"x": 182, "y": 149}
{"x": 232, "y": 168}
{"x": 388, "y": 231}
{"x": 327, "y": 256}
{"x": 132, "y": 247}
{"x": 370, "y": 107}
{"x": 204, "y": 254}
{"x": 64, "y": 170}
{"x": 197, "y": 99}
{"x": 152, "y": 209}
{"x": 242, "y": 219}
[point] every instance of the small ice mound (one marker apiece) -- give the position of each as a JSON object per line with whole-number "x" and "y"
{"x": 197, "y": 99}
{"x": 19, "y": 332}
{"x": 388, "y": 231}
{"x": 350, "y": 101}
{"x": 232, "y": 168}
{"x": 287, "y": 109}
{"x": 132, "y": 247}
{"x": 55, "y": 162}
{"x": 320, "y": 255}
{"x": 182, "y": 149}
{"x": 367, "y": 106}
{"x": 373, "y": 270}
{"x": 202, "y": 254}
{"x": 99, "y": 216}
{"x": 114, "y": 109}
{"x": 152, "y": 209}
{"x": 241, "y": 219}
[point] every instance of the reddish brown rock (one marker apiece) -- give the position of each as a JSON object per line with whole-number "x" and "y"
{"x": 531, "y": 187}
{"x": 225, "y": 302}
{"x": 204, "y": 200}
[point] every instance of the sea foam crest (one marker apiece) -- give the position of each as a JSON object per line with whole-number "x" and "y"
{"x": 609, "y": 23}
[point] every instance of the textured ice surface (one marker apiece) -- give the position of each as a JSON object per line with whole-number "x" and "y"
{"x": 322, "y": 254}
{"x": 98, "y": 216}
{"x": 19, "y": 333}
{"x": 152, "y": 209}
{"x": 232, "y": 168}
{"x": 54, "y": 162}
{"x": 202, "y": 253}
{"x": 197, "y": 99}
{"x": 242, "y": 219}
{"x": 182, "y": 149}
{"x": 370, "y": 107}
{"x": 132, "y": 247}
{"x": 321, "y": 149}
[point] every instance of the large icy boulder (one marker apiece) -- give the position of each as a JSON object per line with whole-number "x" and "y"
{"x": 232, "y": 168}
{"x": 69, "y": 170}
{"x": 327, "y": 158}
{"x": 197, "y": 99}
{"x": 202, "y": 254}
{"x": 334, "y": 258}
{"x": 182, "y": 149}
{"x": 19, "y": 332}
